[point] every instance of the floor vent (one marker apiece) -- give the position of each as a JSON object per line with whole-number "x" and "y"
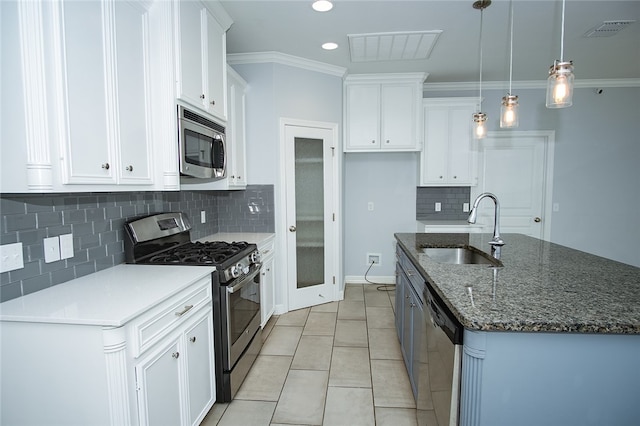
{"x": 608, "y": 28}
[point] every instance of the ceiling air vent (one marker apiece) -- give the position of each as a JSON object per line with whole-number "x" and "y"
{"x": 395, "y": 46}
{"x": 608, "y": 28}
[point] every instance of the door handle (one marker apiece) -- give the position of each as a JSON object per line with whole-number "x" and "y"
{"x": 292, "y": 228}
{"x": 537, "y": 220}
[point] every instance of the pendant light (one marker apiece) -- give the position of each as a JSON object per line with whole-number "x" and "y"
{"x": 480, "y": 118}
{"x": 509, "y": 108}
{"x": 560, "y": 81}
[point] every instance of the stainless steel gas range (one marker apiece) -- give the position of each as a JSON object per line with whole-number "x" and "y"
{"x": 164, "y": 239}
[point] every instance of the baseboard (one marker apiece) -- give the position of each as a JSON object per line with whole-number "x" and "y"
{"x": 359, "y": 279}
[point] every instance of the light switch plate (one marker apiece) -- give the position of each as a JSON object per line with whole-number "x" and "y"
{"x": 438, "y": 207}
{"x": 11, "y": 257}
{"x": 51, "y": 249}
{"x": 66, "y": 246}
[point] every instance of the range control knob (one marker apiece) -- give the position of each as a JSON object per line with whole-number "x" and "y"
{"x": 255, "y": 257}
{"x": 236, "y": 270}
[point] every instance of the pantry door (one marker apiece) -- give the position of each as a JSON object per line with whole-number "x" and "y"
{"x": 517, "y": 166}
{"x": 311, "y": 236}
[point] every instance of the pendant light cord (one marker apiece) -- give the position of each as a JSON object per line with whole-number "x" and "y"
{"x": 562, "y": 35}
{"x": 480, "y": 50}
{"x": 511, "y": 45}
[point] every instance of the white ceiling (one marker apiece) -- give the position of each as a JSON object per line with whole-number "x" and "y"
{"x": 292, "y": 27}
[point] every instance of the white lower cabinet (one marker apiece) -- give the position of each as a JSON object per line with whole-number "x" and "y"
{"x": 155, "y": 369}
{"x": 185, "y": 358}
{"x": 267, "y": 280}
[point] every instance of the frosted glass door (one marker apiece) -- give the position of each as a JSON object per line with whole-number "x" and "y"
{"x": 309, "y": 192}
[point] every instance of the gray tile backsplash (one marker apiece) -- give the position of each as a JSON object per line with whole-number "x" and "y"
{"x": 451, "y": 199}
{"x": 96, "y": 221}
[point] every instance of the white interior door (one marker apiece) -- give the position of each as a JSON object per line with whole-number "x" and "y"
{"x": 517, "y": 167}
{"x": 311, "y": 242}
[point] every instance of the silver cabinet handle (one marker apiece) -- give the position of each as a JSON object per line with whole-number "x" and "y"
{"x": 387, "y": 140}
{"x": 175, "y": 355}
{"x": 202, "y": 96}
{"x": 106, "y": 166}
{"x": 129, "y": 168}
{"x": 373, "y": 141}
{"x": 192, "y": 339}
{"x": 537, "y": 220}
{"x": 292, "y": 228}
{"x": 213, "y": 102}
{"x": 184, "y": 311}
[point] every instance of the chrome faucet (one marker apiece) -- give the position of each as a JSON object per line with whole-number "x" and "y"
{"x": 496, "y": 240}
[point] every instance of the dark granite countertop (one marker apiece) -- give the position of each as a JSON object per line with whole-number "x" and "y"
{"x": 540, "y": 287}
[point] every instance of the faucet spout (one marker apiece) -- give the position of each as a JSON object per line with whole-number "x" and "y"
{"x": 496, "y": 240}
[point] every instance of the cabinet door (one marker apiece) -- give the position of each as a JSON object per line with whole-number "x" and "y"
{"x": 215, "y": 83}
{"x": 267, "y": 293}
{"x": 200, "y": 375}
{"x": 158, "y": 377}
{"x": 407, "y": 325}
{"x": 418, "y": 334}
{"x": 398, "y": 117}
{"x": 399, "y": 302}
{"x": 132, "y": 63}
{"x": 460, "y": 151}
{"x": 434, "y": 156}
{"x": 190, "y": 51}
{"x": 363, "y": 116}
{"x": 88, "y": 101}
{"x": 236, "y": 131}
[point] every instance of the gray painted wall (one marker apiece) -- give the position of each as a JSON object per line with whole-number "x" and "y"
{"x": 280, "y": 91}
{"x": 596, "y": 173}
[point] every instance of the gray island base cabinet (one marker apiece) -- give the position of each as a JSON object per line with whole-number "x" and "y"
{"x": 129, "y": 345}
{"x": 552, "y": 338}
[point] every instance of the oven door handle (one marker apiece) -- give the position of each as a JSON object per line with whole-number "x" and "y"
{"x": 233, "y": 288}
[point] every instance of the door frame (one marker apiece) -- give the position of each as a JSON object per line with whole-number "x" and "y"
{"x": 282, "y": 272}
{"x": 549, "y": 137}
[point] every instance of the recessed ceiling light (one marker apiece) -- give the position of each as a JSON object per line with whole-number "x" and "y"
{"x": 322, "y": 5}
{"x": 330, "y": 46}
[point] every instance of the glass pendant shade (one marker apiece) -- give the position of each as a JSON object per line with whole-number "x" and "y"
{"x": 479, "y": 125}
{"x": 509, "y": 112}
{"x": 560, "y": 85}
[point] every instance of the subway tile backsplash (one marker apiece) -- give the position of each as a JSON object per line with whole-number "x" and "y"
{"x": 96, "y": 221}
{"x": 451, "y": 199}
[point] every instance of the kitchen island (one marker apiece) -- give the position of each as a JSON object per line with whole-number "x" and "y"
{"x": 552, "y": 337}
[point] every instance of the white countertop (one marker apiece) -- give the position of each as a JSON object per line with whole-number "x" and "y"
{"x": 110, "y": 297}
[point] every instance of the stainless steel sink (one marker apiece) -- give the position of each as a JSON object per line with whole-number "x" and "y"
{"x": 460, "y": 256}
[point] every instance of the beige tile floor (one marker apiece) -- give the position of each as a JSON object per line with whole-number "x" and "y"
{"x": 334, "y": 364}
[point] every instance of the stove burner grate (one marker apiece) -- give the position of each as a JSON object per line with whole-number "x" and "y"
{"x": 199, "y": 253}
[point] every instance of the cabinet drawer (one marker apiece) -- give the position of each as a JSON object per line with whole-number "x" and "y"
{"x": 153, "y": 325}
{"x": 266, "y": 248}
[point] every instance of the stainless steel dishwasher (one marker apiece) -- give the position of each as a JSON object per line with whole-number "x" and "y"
{"x": 438, "y": 395}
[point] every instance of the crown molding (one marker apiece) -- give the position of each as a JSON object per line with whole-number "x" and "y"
{"x": 531, "y": 84}
{"x": 284, "y": 59}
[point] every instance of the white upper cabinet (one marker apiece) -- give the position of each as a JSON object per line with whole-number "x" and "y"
{"x": 104, "y": 115}
{"x": 201, "y": 56}
{"x": 383, "y": 112}
{"x": 448, "y": 157}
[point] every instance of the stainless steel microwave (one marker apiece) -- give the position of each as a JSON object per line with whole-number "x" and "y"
{"x": 202, "y": 146}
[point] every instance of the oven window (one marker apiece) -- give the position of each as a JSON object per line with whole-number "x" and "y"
{"x": 198, "y": 148}
{"x": 243, "y": 306}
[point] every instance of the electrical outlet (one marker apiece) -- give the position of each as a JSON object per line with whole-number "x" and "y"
{"x": 438, "y": 207}
{"x": 51, "y": 249}
{"x": 11, "y": 257}
{"x": 373, "y": 258}
{"x": 66, "y": 246}
{"x": 370, "y": 206}
{"x": 203, "y": 216}
{"x": 465, "y": 207}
